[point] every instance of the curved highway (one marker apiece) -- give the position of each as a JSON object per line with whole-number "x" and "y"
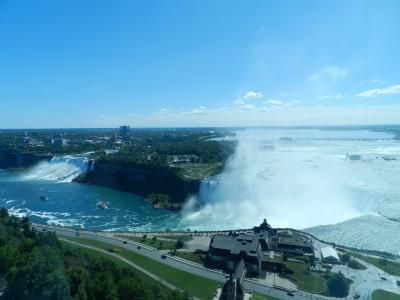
{"x": 174, "y": 262}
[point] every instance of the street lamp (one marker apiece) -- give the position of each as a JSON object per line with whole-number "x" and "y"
{"x": 274, "y": 274}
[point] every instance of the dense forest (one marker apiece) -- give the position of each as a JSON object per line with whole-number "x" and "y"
{"x": 36, "y": 265}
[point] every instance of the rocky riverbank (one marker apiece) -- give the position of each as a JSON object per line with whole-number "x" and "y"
{"x": 161, "y": 186}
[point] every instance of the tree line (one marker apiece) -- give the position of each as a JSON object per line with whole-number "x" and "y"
{"x": 36, "y": 265}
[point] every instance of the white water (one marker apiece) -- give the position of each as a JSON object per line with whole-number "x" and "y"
{"x": 59, "y": 168}
{"x": 303, "y": 182}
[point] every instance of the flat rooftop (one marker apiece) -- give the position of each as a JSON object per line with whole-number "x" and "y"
{"x": 236, "y": 243}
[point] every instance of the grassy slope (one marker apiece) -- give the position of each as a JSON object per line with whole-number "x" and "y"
{"x": 392, "y": 268}
{"x": 197, "y": 258}
{"x": 384, "y": 295}
{"x": 356, "y": 265}
{"x": 139, "y": 274}
{"x": 307, "y": 281}
{"x": 262, "y": 297}
{"x": 195, "y": 285}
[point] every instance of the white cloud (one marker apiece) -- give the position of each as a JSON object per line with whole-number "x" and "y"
{"x": 337, "y": 96}
{"x": 239, "y": 101}
{"x": 247, "y": 107}
{"x": 274, "y": 102}
{"x": 163, "y": 111}
{"x": 198, "y": 111}
{"x": 294, "y": 102}
{"x": 252, "y": 95}
{"x": 394, "y": 89}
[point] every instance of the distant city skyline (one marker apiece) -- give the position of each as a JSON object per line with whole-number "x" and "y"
{"x": 84, "y": 64}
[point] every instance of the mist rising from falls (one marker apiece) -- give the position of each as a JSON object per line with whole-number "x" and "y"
{"x": 299, "y": 182}
{"x": 59, "y": 168}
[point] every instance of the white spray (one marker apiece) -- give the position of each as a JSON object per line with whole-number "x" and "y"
{"x": 291, "y": 182}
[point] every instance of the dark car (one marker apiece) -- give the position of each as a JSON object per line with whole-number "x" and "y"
{"x": 139, "y": 247}
{"x": 290, "y": 294}
{"x": 163, "y": 256}
{"x": 125, "y": 242}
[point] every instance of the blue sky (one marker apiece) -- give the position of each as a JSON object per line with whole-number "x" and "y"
{"x": 198, "y": 63}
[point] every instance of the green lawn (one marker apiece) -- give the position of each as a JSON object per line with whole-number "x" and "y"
{"x": 384, "y": 295}
{"x": 158, "y": 243}
{"x": 356, "y": 265}
{"x": 197, "y": 171}
{"x": 307, "y": 281}
{"x": 197, "y": 258}
{"x": 262, "y": 297}
{"x": 388, "y": 266}
{"x": 195, "y": 285}
{"x": 119, "y": 262}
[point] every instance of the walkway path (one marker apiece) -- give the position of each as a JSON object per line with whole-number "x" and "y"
{"x": 139, "y": 268}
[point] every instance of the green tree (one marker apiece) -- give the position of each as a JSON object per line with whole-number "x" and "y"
{"x": 179, "y": 244}
{"x": 130, "y": 288}
{"x": 42, "y": 277}
{"x": 103, "y": 287}
{"x": 8, "y": 256}
{"x": 337, "y": 285}
{"x": 78, "y": 278}
{"x": 345, "y": 258}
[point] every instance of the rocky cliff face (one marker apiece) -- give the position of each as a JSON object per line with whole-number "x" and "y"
{"x": 160, "y": 185}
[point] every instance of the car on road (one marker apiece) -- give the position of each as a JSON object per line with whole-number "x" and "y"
{"x": 356, "y": 296}
{"x": 43, "y": 229}
{"x": 163, "y": 256}
{"x": 383, "y": 278}
{"x": 125, "y": 242}
{"x": 139, "y": 247}
{"x": 113, "y": 250}
{"x": 77, "y": 234}
{"x": 290, "y": 294}
{"x": 398, "y": 282}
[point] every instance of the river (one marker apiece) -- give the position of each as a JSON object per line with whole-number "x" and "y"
{"x": 332, "y": 183}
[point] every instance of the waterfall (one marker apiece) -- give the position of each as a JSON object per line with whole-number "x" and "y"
{"x": 208, "y": 188}
{"x": 59, "y": 168}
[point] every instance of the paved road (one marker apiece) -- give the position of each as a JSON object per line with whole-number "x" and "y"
{"x": 176, "y": 262}
{"x": 366, "y": 281}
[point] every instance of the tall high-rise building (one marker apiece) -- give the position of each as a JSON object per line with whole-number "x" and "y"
{"x": 124, "y": 131}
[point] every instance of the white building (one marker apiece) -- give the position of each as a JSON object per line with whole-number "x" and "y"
{"x": 329, "y": 255}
